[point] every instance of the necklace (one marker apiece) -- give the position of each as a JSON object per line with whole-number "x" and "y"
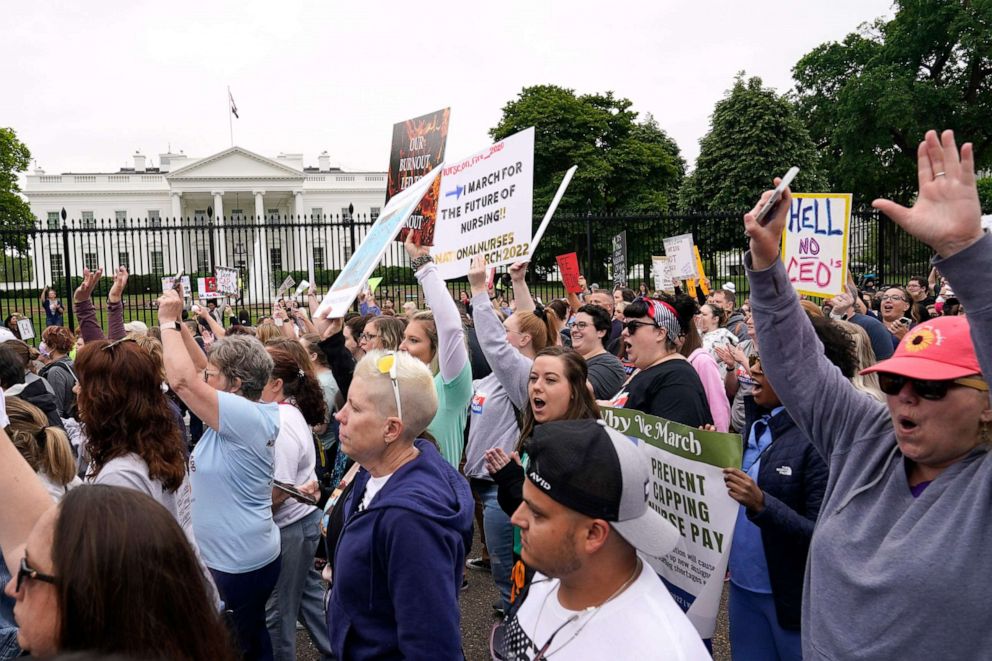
{"x": 590, "y": 610}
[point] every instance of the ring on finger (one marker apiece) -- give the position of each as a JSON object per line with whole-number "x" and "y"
{"x": 939, "y": 174}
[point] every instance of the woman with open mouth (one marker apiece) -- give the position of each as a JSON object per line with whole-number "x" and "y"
{"x": 897, "y": 565}
{"x": 894, "y": 310}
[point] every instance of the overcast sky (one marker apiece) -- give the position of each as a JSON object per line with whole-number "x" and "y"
{"x": 87, "y": 84}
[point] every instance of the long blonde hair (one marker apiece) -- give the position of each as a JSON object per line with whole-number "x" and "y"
{"x": 866, "y": 383}
{"x": 45, "y": 448}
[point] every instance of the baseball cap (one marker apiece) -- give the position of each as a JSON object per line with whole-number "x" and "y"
{"x": 595, "y": 470}
{"x": 938, "y": 349}
{"x": 6, "y": 334}
{"x": 136, "y": 327}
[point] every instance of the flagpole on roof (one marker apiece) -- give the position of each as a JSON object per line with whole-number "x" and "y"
{"x": 230, "y": 113}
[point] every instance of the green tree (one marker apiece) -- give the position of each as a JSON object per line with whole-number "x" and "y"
{"x": 623, "y": 163}
{"x": 754, "y": 136}
{"x": 868, "y": 100}
{"x": 15, "y": 214}
{"x": 985, "y": 194}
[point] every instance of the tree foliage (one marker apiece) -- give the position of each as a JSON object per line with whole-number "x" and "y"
{"x": 868, "y": 100}
{"x": 623, "y": 163}
{"x": 15, "y": 214}
{"x": 755, "y": 135}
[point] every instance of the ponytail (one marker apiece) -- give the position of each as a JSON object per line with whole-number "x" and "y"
{"x": 45, "y": 448}
{"x": 292, "y": 364}
{"x": 542, "y": 325}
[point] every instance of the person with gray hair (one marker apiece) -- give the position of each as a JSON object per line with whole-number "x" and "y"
{"x": 231, "y": 467}
{"x": 407, "y": 521}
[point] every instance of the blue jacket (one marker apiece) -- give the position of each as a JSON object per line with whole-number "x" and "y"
{"x": 793, "y": 477}
{"x": 398, "y": 564}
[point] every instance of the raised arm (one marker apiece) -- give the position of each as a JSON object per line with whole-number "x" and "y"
{"x": 339, "y": 359}
{"x": 184, "y": 376}
{"x": 521, "y": 293}
{"x": 23, "y": 496}
{"x": 115, "y": 306}
{"x": 507, "y": 363}
{"x": 817, "y": 396}
{"x": 947, "y": 217}
{"x": 89, "y": 327}
{"x": 215, "y": 327}
{"x": 452, "y": 353}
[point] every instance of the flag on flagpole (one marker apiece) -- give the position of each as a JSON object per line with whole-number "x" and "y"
{"x": 234, "y": 108}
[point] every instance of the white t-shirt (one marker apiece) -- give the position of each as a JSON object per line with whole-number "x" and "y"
{"x": 642, "y": 622}
{"x": 372, "y": 487}
{"x": 295, "y": 458}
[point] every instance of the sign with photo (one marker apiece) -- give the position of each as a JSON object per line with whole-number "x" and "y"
{"x": 418, "y": 147}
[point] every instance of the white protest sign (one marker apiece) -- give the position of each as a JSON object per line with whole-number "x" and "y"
{"x": 687, "y": 489}
{"x": 286, "y": 285}
{"x": 227, "y": 279}
{"x": 168, "y": 280}
{"x": 356, "y": 272}
{"x": 661, "y": 272}
{"x": 678, "y": 249}
{"x": 814, "y": 244}
{"x": 26, "y": 329}
{"x": 303, "y": 286}
{"x": 486, "y": 207}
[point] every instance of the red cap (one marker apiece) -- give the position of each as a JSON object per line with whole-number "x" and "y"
{"x": 939, "y": 349}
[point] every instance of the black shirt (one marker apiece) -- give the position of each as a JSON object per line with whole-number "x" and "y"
{"x": 670, "y": 390}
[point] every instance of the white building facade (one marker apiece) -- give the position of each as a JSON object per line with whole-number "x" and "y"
{"x": 237, "y": 192}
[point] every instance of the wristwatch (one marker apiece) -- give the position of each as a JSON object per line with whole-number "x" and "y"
{"x": 418, "y": 262}
{"x": 172, "y": 325}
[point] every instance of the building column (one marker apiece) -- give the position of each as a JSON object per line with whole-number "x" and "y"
{"x": 259, "y": 267}
{"x": 177, "y": 205}
{"x": 302, "y": 237}
{"x": 219, "y": 228}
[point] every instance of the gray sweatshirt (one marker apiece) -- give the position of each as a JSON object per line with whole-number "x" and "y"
{"x": 889, "y": 576}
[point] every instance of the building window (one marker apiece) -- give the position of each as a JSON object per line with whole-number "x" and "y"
{"x": 318, "y": 258}
{"x": 203, "y": 259}
{"x": 157, "y": 259}
{"x": 88, "y": 221}
{"x": 124, "y": 259}
{"x": 345, "y": 214}
{"x": 272, "y": 215}
{"x": 90, "y": 260}
{"x": 154, "y": 219}
{"x": 120, "y": 219}
{"x": 316, "y": 213}
{"x": 374, "y": 213}
{"x": 275, "y": 259}
{"x": 53, "y": 220}
{"x": 57, "y": 270}
{"x": 238, "y": 217}
{"x": 200, "y": 217}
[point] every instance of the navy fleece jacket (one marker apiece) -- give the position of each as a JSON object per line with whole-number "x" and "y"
{"x": 398, "y": 564}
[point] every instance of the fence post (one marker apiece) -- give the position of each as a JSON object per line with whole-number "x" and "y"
{"x": 881, "y": 256}
{"x": 66, "y": 270}
{"x": 590, "y": 276}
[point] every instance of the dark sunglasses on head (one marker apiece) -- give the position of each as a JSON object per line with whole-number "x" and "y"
{"x": 27, "y": 572}
{"x": 892, "y": 384}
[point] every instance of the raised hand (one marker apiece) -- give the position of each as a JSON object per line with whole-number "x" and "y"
{"x": 947, "y": 214}
{"x": 170, "y": 307}
{"x": 518, "y": 271}
{"x": 331, "y": 327}
{"x": 478, "y": 274}
{"x": 85, "y": 289}
{"x": 766, "y": 240}
{"x": 413, "y": 248}
{"x": 120, "y": 282}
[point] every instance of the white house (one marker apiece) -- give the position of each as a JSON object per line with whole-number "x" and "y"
{"x": 125, "y": 210}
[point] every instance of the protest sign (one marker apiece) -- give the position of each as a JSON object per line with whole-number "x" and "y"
{"x": 687, "y": 489}
{"x": 207, "y": 288}
{"x": 302, "y": 287}
{"x": 227, "y": 280}
{"x": 418, "y": 147}
{"x": 814, "y": 244}
{"x": 568, "y": 264}
{"x": 486, "y": 207}
{"x": 25, "y": 328}
{"x": 678, "y": 249}
{"x": 661, "y": 272}
{"x": 355, "y": 274}
{"x": 286, "y": 285}
{"x": 167, "y": 284}
{"x": 374, "y": 284}
{"x": 539, "y": 234}
{"x": 619, "y": 260}
{"x": 703, "y": 280}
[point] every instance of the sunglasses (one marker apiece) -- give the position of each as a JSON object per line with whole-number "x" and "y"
{"x": 387, "y": 365}
{"x": 126, "y": 338}
{"x": 633, "y": 325}
{"x": 27, "y": 572}
{"x": 934, "y": 390}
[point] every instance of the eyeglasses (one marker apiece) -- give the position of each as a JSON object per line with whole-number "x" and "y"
{"x": 126, "y": 338}
{"x": 933, "y": 390}
{"x": 27, "y": 572}
{"x": 633, "y": 325}
{"x": 886, "y": 297}
{"x": 387, "y": 365}
{"x": 581, "y": 325}
{"x": 209, "y": 373}
{"x": 365, "y": 337}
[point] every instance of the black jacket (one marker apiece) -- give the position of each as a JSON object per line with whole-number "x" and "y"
{"x": 793, "y": 477}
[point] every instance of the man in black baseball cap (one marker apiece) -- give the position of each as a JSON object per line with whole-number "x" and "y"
{"x": 583, "y": 522}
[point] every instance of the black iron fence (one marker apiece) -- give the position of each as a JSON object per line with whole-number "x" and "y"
{"x": 268, "y": 250}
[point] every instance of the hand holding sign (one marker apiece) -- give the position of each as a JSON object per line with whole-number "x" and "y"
{"x": 568, "y": 264}
{"x": 477, "y": 275}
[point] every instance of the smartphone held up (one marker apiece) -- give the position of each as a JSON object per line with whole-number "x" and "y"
{"x": 767, "y": 212}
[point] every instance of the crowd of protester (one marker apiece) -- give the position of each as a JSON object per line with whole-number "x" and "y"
{"x": 195, "y": 489}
